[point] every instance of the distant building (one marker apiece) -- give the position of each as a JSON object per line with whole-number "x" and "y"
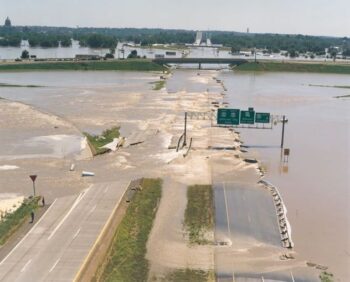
{"x": 7, "y": 22}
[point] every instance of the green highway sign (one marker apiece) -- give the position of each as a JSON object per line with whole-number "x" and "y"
{"x": 262, "y": 117}
{"x": 228, "y": 116}
{"x": 247, "y": 117}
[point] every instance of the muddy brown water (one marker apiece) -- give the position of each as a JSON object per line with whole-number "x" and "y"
{"x": 315, "y": 182}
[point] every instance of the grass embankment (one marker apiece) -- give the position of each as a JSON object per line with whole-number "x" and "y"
{"x": 158, "y": 85}
{"x": 98, "y": 141}
{"x": 126, "y": 259}
{"x": 189, "y": 275}
{"x": 295, "y": 67}
{"x": 122, "y": 65}
{"x": 12, "y": 221}
{"x": 199, "y": 214}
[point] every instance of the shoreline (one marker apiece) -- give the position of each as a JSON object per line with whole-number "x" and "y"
{"x": 287, "y": 66}
{"x": 108, "y": 65}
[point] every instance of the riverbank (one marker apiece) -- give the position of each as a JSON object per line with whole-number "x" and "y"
{"x": 295, "y": 67}
{"x": 118, "y": 65}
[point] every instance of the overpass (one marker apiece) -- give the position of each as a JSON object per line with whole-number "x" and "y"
{"x": 199, "y": 61}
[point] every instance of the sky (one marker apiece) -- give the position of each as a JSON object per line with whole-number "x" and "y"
{"x": 312, "y": 17}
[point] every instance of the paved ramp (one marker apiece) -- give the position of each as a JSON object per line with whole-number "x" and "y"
{"x": 55, "y": 248}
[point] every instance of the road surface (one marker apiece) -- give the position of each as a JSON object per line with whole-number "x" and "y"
{"x": 245, "y": 212}
{"x": 55, "y": 248}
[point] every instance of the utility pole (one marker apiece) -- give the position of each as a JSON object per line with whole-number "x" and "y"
{"x": 284, "y": 120}
{"x": 185, "y": 133}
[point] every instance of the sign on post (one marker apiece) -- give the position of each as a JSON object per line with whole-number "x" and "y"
{"x": 228, "y": 116}
{"x": 262, "y": 117}
{"x": 33, "y": 177}
{"x": 247, "y": 117}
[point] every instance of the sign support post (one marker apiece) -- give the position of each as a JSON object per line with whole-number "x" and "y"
{"x": 185, "y": 132}
{"x": 284, "y": 120}
{"x": 33, "y": 177}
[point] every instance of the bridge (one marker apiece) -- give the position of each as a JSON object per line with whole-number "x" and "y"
{"x": 199, "y": 61}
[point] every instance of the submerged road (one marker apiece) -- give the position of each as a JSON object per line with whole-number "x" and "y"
{"x": 55, "y": 248}
{"x": 245, "y": 211}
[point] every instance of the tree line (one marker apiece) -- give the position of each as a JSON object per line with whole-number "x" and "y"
{"x": 108, "y": 38}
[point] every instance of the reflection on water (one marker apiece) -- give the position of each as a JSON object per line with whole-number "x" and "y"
{"x": 315, "y": 181}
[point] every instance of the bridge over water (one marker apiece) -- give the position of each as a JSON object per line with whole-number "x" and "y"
{"x": 200, "y": 61}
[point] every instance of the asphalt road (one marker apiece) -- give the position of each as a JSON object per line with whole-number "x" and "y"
{"x": 55, "y": 248}
{"x": 245, "y": 212}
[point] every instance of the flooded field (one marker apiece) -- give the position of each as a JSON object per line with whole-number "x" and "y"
{"x": 315, "y": 182}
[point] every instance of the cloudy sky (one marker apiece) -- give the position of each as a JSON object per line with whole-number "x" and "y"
{"x": 315, "y": 17}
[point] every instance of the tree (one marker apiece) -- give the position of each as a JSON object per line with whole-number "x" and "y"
{"x": 133, "y": 55}
{"x": 25, "y": 54}
{"x": 109, "y": 56}
{"x": 293, "y": 53}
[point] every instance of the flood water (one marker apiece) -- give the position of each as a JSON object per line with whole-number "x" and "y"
{"x": 315, "y": 182}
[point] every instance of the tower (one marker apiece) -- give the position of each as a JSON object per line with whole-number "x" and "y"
{"x": 7, "y": 22}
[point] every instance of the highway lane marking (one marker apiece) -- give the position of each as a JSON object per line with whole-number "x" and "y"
{"x": 76, "y": 233}
{"x": 226, "y": 206}
{"x": 291, "y": 274}
{"x": 80, "y": 197}
{"x": 25, "y": 266}
{"x": 30, "y": 231}
{"x": 54, "y": 265}
{"x": 106, "y": 190}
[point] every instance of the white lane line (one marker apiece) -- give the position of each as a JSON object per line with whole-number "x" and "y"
{"x": 76, "y": 233}
{"x": 30, "y": 231}
{"x": 249, "y": 219}
{"x": 227, "y": 215}
{"x": 92, "y": 210}
{"x": 291, "y": 274}
{"x": 80, "y": 197}
{"x": 106, "y": 190}
{"x": 25, "y": 266}
{"x": 54, "y": 265}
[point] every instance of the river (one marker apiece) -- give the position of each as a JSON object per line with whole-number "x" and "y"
{"x": 315, "y": 182}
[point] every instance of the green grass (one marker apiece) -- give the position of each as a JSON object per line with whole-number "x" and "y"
{"x": 199, "y": 213}
{"x": 126, "y": 260}
{"x": 122, "y": 65}
{"x": 326, "y": 277}
{"x": 12, "y": 221}
{"x": 158, "y": 85}
{"x": 98, "y": 141}
{"x": 295, "y": 67}
{"x": 17, "y": 85}
{"x": 189, "y": 275}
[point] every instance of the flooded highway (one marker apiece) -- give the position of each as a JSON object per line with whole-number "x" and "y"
{"x": 315, "y": 182}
